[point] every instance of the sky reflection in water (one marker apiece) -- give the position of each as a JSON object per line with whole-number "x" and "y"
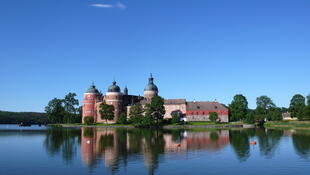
{"x": 137, "y": 151}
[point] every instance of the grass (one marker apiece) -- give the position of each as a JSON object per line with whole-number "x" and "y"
{"x": 288, "y": 124}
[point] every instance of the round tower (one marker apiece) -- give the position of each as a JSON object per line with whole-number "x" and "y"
{"x": 150, "y": 89}
{"x": 115, "y": 97}
{"x": 89, "y": 100}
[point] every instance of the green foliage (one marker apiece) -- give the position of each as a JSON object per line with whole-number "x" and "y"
{"x": 106, "y": 112}
{"x": 274, "y": 114}
{"x": 88, "y": 120}
{"x": 176, "y": 116}
{"x": 155, "y": 111}
{"x": 63, "y": 110}
{"x": 238, "y": 108}
{"x": 122, "y": 119}
{"x": 55, "y": 110}
{"x": 263, "y": 103}
{"x": 213, "y": 116}
{"x": 25, "y": 117}
{"x": 297, "y": 107}
{"x": 249, "y": 118}
{"x": 136, "y": 115}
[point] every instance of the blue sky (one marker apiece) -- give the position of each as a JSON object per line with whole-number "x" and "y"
{"x": 200, "y": 49}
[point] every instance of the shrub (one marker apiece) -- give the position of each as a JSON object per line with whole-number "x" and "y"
{"x": 213, "y": 116}
{"x": 122, "y": 119}
{"x": 88, "y": 120}
{"x": 249, "y": 118}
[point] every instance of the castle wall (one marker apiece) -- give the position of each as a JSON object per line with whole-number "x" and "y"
{"x": 174, "y": 107}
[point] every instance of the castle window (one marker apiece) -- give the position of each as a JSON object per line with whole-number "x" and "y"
{"x": 203, "y": 113}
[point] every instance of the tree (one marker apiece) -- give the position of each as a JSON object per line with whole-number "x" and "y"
{"x": 136, "y": 115}
{"x": 238, "y": 108}
{"x": 213, "y": 116}
{"x": 263, "y": 103}
{"x": 88, "y": 120}
{"x": 155, "y": 110}
{"x": 297, "y": 107}
{"x": 250, "y": 117}
{"x": 275, "y": 114}
{"x": 106, "y": 112}
{"x": 55, "y": 110}
{"x": 71, "y": 108}
{"x": 122, "y": 118}
{"x": 176, "y": 116}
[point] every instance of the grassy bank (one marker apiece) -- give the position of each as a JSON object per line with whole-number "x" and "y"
{"x": 288, "y": 124}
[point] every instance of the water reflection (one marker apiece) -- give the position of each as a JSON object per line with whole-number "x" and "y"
{"x": 114, "y": 148}
{"x": 301, "y": 142}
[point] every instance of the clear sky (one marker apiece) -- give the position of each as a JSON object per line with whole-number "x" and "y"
{"x": 198, "y": 50}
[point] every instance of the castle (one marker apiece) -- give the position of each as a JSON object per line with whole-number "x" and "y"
{"x": 122, "y": 101}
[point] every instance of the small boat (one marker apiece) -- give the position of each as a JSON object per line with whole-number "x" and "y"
{"x": 253, "y": 143}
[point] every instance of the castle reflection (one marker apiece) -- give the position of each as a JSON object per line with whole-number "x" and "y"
{"x": 115, "y": 145}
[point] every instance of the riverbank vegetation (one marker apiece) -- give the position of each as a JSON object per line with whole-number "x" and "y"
{"x": 25, "y": 117}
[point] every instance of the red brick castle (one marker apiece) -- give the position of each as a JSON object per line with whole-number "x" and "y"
{"x": 122, "y": 101}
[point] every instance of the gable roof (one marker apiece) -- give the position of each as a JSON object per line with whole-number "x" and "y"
{"x": 210, "y": 106}
{"x": 174, "y": 101}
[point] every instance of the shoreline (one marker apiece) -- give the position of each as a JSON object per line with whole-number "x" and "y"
{"x": 218, "y": 126}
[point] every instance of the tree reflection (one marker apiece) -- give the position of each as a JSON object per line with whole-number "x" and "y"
{"x": 268, "y": 141}
{"x": 301, "y": 142}
{"x": 239, "y": 140}
{"x": 62, "y": 141}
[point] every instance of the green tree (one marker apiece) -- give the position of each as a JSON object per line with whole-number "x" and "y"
{"x": 122, "y": 119}
{"x": 155, "y": 110}
{"x": 106, "y": 112}
{"x": 297, "y": 107}
{"x": 88, "y": 120}
{"x": 263, "y": 103}
{"x": 136, "y": 115}
{"x": 176, "y": 116}
{"x": 71, "y": 108}
{"x": 55, "y": 110}
{"x": 249, "y": 118}
{"x": 274, "y": 114}
{"x": 213, "y": 116}
{"x": 238, "y": 108}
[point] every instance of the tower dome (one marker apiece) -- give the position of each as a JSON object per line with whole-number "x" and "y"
{"x": 92, "y": 89}
{"x": 151, "y": 86}
{"x": 150, "y": 89}
{"x": 114, "y": 87}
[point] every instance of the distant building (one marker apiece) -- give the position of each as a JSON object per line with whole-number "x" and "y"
{"x": 192, "y": 111}
{"x": 287, "y": 116}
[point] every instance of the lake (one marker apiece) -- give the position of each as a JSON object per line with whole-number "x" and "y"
{"x": 43, "y": 150}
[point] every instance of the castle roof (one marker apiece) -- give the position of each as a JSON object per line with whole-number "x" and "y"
{"x": 174, "y": 101}
{"x": 209, "y": 106}
{"x": 92, "y": 89}
{"x": 114, "y": 87}
{"x": 151, "y": 86}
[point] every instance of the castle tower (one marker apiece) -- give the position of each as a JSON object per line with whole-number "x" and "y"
{"x": 150, "y": 89}
{"x": 115, "y": 97}
{"x": 89, "y": 100}
{"x": 126, "y": 91}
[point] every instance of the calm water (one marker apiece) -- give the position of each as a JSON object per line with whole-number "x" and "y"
{"x": 40, "y": 150}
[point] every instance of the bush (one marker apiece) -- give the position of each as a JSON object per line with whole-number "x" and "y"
{"x": 175, "y": 118}
{"x": 122, "y": 119}
{"x": 249, "y": 118}
{"x": 88, "y": 120}
{"x": 213, "y": 116}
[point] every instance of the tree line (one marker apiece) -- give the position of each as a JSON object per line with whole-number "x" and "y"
{"x": 267, "y": 110}
{"x": 7, "y": 117}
